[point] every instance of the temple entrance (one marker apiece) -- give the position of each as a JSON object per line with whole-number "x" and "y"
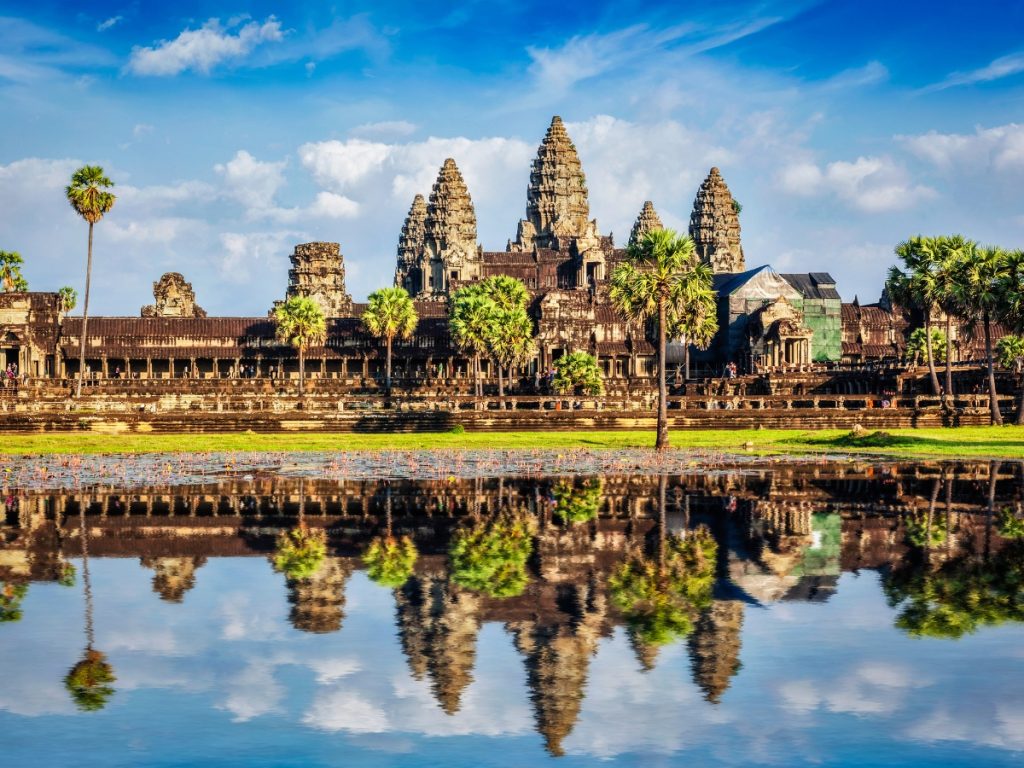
{"x": 10, "y": 351}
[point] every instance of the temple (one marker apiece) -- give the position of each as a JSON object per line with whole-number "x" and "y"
{"x": 768, "y": 321}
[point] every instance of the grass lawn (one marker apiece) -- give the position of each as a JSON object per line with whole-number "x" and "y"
{"x": 994, "y": 442}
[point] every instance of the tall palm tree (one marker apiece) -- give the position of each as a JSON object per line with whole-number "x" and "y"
{"x": 507, "y": 292}
{"x": 511, "y": 343}
{"x": 11, "y": 278}
{"x": 89, "y": 681}
{"x": 953, "y": 252}
{"x": 913, "y": 287}
{"x": 980, "y": 292}
{"x": 87, "y": 193}
{"x": 471, "y": 320}
{"x": 1011, "y": 347}
{"x": 662, "y": 278}
{"x": 390, "y": 314}
{"x": 301, "y": 323}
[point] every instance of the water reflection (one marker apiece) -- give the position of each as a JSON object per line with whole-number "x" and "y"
{"x": 565, "y": 566}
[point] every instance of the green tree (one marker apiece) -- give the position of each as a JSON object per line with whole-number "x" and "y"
{"x": 912, "y": 287}
{"x": 472, "y": 319}
{"x": 917, "y": 345}
{"x": 511, "y": 343}
{"x": 390, "y": 314}
{"x": 577, "y": 502}
{"x": 68, "y": 298}
{"x": 88, "y": 196}
{"x": 1010, "y": 350}
{"x": 507, "y": 292}
{"x": 300, "y": 552}
{"x": 663, "y": 279}
{"x": 301, "y": 323}
{"x": 952, "y": 253}
{"x": 10, "y": 272}
{"x": 577, "y": 373}
{"x": 490, "y": 556}
{"x": 11, "y": 596}
{"x": 981, "y": 295}
{"x": 389, "y": 559}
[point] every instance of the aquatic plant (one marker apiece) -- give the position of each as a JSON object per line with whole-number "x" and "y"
{"x": 300, "y": 552}
{"x": 491, "y": 555}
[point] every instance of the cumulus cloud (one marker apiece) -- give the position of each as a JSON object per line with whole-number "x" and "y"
{"x": 1000, "y": 148}
{"x": 869, "y": 184}
{"x": 203, "y": 49}
{"x": 252, "y": 182}
{"x": 245, "y": 254}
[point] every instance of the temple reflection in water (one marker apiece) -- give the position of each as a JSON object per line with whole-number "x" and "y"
{"x": 548, "y": 559}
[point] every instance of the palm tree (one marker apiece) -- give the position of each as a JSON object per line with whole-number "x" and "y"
{"x": 89, "y": 681}
{"x": 390, "y": 559}
{"x": 472, "y": 318}
{"x": 389, "y": 315}
{"x": 10, "y": 272}
{"x": 507, "y": 292}
{"x": 662, "y": 278}
{"x": 1011, "y": 355}
{"x": 980, "y": 292}
{"x": 301, "y": 322}
{"x": 68, "y": 298}
{"x": 87, "y": 193}
{"x": 1011, "y": 347}
{"x": 511, "y": 342}
{"x": 915, "y": 289}
{"x": 578, "y": 373}
{"x": 953, "y": 253}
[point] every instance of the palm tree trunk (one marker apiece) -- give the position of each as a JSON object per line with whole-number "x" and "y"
{"x": 993, "y": 399}
{"x": 928, "y": 350}
{"x": 1020, "y": 401}
{"x": 85, "y": 316}
{"x": 949, "y": 358}
{"x": 501, "y": 382}
{"x": 387, "y": 368}
{"x": 302, "y": 369}
{"x": 86, "y": 583}
{"x": 661, "y": 443}
{"x": 686, "y": 359}
{"x": 662, "y": 520}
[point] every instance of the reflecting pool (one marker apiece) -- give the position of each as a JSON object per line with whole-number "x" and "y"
{"x": 304, "y": 612}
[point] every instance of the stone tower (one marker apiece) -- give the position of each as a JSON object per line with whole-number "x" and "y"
{"x": 557, "y": 208}
{"x": 449, "y": 233}
{"x": 411, "y": 271}
{"x": 173, "y": 297}
{"x": 647, "y": 221}
{"x": 715, "y": 648}
{"x": 715, "y": 226}
{"x": 318, "y": 271}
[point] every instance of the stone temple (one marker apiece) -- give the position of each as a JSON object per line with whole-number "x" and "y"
{"x": 767, "y": 319}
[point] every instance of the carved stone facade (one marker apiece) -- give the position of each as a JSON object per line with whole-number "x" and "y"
{"x": 173, "y": 297}
{"x": 318, "y": 272}
{"x": 647, "y": 221}
{"x": 412, "y": 270}
{"x": 450, "y": 250}
{"x": 715, "y": 226}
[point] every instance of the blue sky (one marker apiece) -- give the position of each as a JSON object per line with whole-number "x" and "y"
{"x": 236, "y": 131}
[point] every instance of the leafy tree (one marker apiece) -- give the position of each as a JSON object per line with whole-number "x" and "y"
{"x": 578, "y": 373}
{"x": 511, "y": 343}
{"x": 390, "y": 314}
{"x": 473, "y": 316}
{"x": 390, "y": 560}
{"x": 88, "y": 196}
{"x": 1010, "y": 350}
{"x": 912, "y": 287}
{"x": 505, "y": 291}
{"x": 981, "y": 294}
{"x": 490, "y": 556}
{"x": 89, "y": 681}
{"x": 917, "y": 345}
{"x": 10, "y": 272}
{"x": 952, "y": 253}
{"x": 11, "y": 596}
{"x": 663, "y": 279}
{"x": 577, "y": 503}
{"x": 68, "y": 298}
{"x": 301, "y": 323}
{"x": 300, "y": 552}
{"x": 1010, "y": 526}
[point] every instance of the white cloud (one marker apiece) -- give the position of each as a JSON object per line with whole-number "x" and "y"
{"x": 159, "y": 196}
{"x": 870, "y": 184}
{"x": 245, "y": 254}
{"x": 1004, "y": 66}
{"x": 252, "y": 182}
{"x": 103, "y": 26}
{"x": 346, "y": 711}
{"x": 152, "y": 230}
{"x": 1000, "y": 148}
{"x": 385, "y": 128}
{"x": 253, "y": 692}
{"x": 204, "y": 48}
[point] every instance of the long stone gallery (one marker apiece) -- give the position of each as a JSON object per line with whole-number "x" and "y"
{"x": 791, "y": 347}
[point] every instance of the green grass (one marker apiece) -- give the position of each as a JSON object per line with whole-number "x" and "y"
{"x": 994, "y": 442}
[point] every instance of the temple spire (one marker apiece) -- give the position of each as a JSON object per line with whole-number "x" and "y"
{"x": 715, "y": 226}
{"x": 557, "y": 205}
{"x": 410, "y": 272}
{"x": 647, "y": 221}
{"x": 450, "y": 231}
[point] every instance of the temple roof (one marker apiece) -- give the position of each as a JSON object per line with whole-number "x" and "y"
{"x": 813, "y": 285}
